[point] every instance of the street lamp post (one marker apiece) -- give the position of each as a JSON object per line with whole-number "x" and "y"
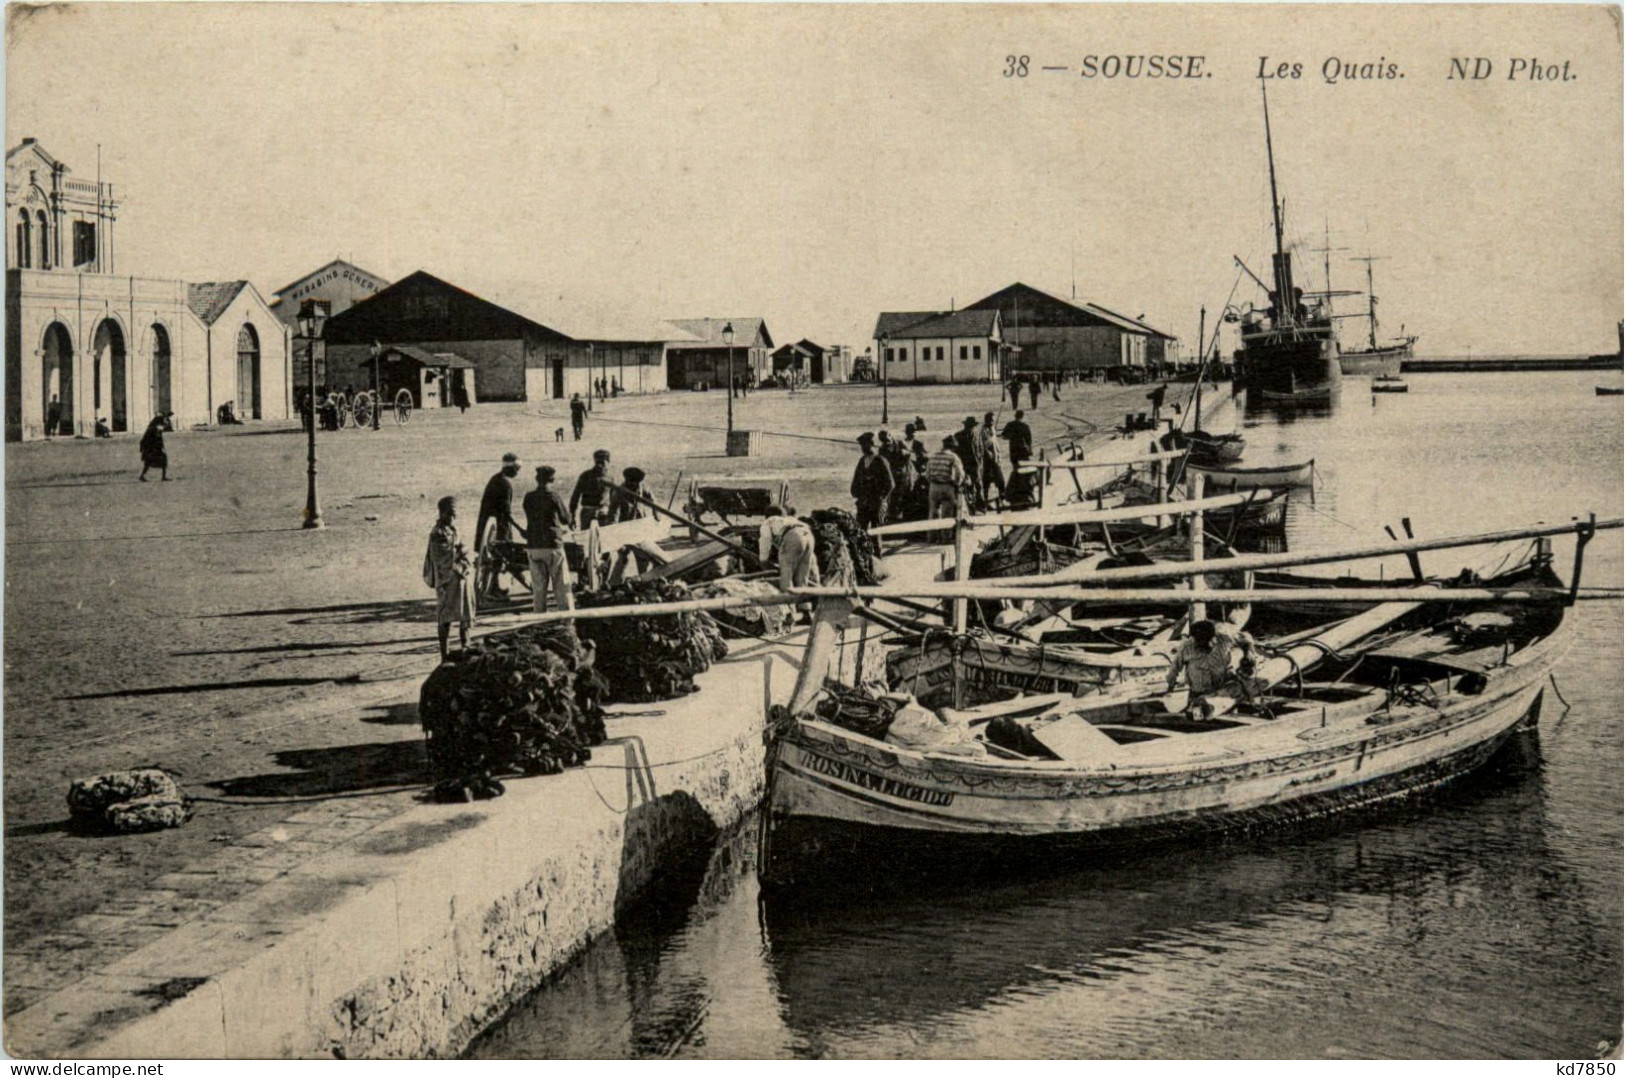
{"x": 312, "y": 318}
{"x": 728, "y": 339}
{"x": 589, "y": 376}
{"x": 885, "y": 382}
{"x": 377, "y": 386}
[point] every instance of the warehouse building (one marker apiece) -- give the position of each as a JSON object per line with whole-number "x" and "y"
{"x": 511, "y": 357}
{"x": 431, "y": 315}
{"x": 940, "y": 346}
{"x": 1070, "y": 335}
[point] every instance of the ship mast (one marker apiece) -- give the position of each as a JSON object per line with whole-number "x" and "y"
{"x": 1371, "y": 296}
{"x": 1285, "y": 301}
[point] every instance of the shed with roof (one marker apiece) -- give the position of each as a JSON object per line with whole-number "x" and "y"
{"x": 940, "y": 346}
{"x": 1053, "y": 334}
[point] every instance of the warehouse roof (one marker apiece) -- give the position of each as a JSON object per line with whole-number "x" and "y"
{"x": 707, "y": 332}
{"x": 906, "y": 326}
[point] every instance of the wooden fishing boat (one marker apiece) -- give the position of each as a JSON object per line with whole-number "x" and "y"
{"x": 1389, "y": 384}
{"x": 1610, "y": 391}
{"x": 1274, "y": 476}
{"x": 1419, "y": 687}
{"x": 1316, "y": 395}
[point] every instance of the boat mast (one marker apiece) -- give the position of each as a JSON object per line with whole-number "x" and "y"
{"x": 1371, "y": 297}
{"x": 1285, "y": 307}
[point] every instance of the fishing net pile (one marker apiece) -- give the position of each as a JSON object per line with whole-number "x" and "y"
{"x": 527, "y": 702}
{"x": 836, "y": 532}
{"x": 643, "y": 659}
{"x": 127, "y": 802}
{"x": 858, "y": 709}
{"x": 752, "y": 621}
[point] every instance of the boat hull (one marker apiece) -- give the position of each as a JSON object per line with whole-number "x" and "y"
{"x": 1284, "y": 367}
{"x": 1224, "y": 480}
{"x": 799, "y": 844}
{"x": 1374, "y": 361}
{"x": 831, "y": 791}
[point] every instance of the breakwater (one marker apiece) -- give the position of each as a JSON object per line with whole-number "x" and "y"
{"x": 1513, "y": 363}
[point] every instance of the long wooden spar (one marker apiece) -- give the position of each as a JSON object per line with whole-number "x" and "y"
{"x": 1242, "y": 562}
{"x": 1148, "y": 596}
{"x": 1080, "y": 513}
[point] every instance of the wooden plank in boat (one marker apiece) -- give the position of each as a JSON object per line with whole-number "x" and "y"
{"x": 1074, "y": 738}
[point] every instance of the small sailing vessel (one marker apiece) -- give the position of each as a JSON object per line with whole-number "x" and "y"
{"x": 1376, "y": 358}
{"x": 1389, "y": 383}
{"x": 1289, "y": 350}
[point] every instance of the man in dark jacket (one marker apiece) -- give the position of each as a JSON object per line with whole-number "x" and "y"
{"x": 968, "y": 444}
{"x": 1020, "y": 437}
{"x": 593, "y": 492}
{"x": 872, "y": 484}
{"x": 496, "y": 508}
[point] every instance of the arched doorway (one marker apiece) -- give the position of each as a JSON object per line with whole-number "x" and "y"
{"x": 248, "y": 373}
{"x": 56, "y": 366}
{"x": 160, "y": 397}
{"x": 111, "y": 375}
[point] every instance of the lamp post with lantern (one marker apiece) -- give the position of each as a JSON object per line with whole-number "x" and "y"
{"x": 885, "y": 381}
{"x": 312, "y": 319}
{"x": 728, "y": 339}
{"x": 377, "y": 385}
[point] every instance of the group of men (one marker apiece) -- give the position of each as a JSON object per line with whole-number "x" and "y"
{"x": 550, "y": 523}
{"x": 900, "y": 480}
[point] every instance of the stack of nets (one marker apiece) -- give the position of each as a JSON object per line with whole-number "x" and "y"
{"x": 753, "y": 621}
{"x": 858, "y": 710}
{"x": 526, "y": 702}
{"x": 643, "y": 659}
{"x": 127, "y": 802}
{"x": 860, "y": 547}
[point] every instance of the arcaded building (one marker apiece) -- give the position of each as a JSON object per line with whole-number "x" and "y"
{"x": 103, "y": 344}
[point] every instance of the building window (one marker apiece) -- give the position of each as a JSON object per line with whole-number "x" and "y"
{"x": 25, "y": 240}
{"x": 891, "y": 355}
{"x": 976, "y": 352}
{"x": 939, "y": 353}
{"x": 902, "y": 355}
{"x": 84, "y": 242}
{"x": 44, "y": 240}
{"x": 964, "y": 352}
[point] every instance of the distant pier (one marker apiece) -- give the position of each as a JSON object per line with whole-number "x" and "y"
{"x": 1607, "y": 362}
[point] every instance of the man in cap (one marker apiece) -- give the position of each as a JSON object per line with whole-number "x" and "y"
{"x": 991, "y": 471}
{"x": 446, "y": 569}
{"x": 592, "y": 492}
{"x": 548, "y": 527}
{"x": 872, "y": 484}
{"x": 496, "y": 505}
{"x": 901, "y": 458}
{"x": 968, "y": 444}
{"x": 627, "y": 508}
{"x": 946, "y": 474}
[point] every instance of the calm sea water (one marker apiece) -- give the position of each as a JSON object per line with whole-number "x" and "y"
{"x": 1484, "y": 922}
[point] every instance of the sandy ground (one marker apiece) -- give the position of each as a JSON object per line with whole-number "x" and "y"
{"x": 194, "y": 625}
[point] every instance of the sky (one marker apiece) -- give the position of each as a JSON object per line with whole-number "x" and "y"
{"x": 817, "y": 164}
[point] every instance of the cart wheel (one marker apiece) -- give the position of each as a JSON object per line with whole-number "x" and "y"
{"x": 403, "y": 406}
{"x": 363, "y": 410}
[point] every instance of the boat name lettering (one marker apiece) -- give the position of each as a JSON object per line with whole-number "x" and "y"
{"x": 837, "y": 769}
